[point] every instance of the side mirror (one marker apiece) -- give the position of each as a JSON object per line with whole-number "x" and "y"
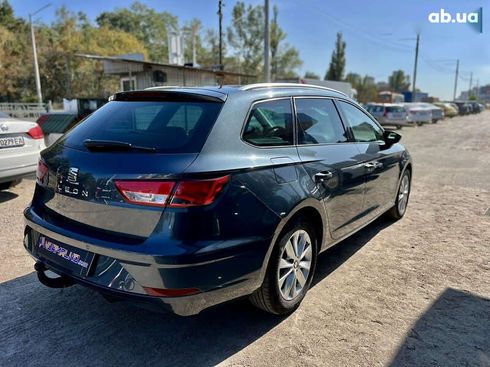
{"x": 391, "y": 137}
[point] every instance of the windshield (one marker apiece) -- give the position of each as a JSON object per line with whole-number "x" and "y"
{"x": 170, "y": 127}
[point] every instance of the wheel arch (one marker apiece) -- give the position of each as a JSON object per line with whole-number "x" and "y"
{"x": 313, "y": 211}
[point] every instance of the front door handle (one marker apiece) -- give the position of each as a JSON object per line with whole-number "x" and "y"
{"x": 373, "y": 165}
{"x": 322, "y": 176}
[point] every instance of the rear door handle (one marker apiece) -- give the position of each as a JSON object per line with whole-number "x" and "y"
{"x": 322, "y": 176}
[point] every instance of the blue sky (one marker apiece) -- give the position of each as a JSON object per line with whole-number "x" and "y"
{"x": 380, "y": 34}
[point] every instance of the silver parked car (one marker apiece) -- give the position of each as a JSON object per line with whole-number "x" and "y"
{"x": 389, "y": 114}
{"x": 437, "y": 112}
{"x": 20, "y": 145}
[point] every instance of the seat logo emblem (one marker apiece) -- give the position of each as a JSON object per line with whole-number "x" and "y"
{"x": 72, "y": 176}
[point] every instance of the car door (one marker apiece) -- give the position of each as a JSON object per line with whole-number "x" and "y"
{"x": 329, "y": 159}
{"x": 380, "y": 162}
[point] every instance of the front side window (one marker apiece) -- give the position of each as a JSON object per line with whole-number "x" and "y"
{"x": 318, "y": 122}
{"x": 363, "y": 128}
{"x": 270, "y": 123}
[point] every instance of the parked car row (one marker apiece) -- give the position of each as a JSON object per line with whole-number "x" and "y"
{"x": 419, "y": 113}
{"x": 467, "y": 107}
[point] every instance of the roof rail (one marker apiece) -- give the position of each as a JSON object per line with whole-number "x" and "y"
{"x": 164, "y": 87}
{"x": 288, "y": 85}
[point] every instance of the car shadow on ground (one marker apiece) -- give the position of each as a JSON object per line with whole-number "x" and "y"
{"x": 7, "y": 196}
{"x": 59, "y": 327}
{"x": 454, "y": 331}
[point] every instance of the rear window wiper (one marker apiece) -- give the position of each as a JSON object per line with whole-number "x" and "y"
{"x": 111, "y": 145}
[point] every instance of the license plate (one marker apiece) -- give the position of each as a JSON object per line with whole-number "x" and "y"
{"x": 11, "y": 141}
{"x": 75, "y": 260}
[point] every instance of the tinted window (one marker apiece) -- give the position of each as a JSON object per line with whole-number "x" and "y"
{"x": 270, "y": 124}
{"x": 318, "y": 122}
{"x": 363, "y": 128}
{"x": 167, "y": 126}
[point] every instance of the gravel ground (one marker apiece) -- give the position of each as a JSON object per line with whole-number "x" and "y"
{"x": 414, "y": 292}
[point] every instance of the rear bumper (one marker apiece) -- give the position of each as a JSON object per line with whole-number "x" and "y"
{"x": 225, "y": 276}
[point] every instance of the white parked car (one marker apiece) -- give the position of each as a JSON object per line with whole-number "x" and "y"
{"x": 418, "y": 114}
{"x": 20, "y": 144}
{"x": 388, "y": 114}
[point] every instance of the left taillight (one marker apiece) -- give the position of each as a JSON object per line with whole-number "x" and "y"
{"x": 36, "y": 132}
{"x": 41, "y": 172}
{"x": 174, "y": 194}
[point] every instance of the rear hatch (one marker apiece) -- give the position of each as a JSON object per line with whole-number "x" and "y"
{"x": 114, "y": 172}
{"x": 396, "y": 113}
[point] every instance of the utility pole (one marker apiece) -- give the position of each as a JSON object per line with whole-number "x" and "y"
{"x": 36, "y": 66}
{"x": 414, "y": 93}
{"x": 34, "y": 55}
{"x": 471, "y": 84}
{"x": 267, "y": 64}
{"x": 456, "y": 80}
{"x": 478, "y": 89}
{"x": 194, "y": 31}
{"x": 220, "y": 15}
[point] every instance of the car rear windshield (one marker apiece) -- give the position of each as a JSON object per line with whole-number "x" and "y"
{"x": 165, "y": 126}
{"x": 395, "y": 109}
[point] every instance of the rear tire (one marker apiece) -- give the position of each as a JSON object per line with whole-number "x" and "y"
{"x": 289, "y": 272}
{"x": 6, "y": 185}
{"x": 402, "y": 196}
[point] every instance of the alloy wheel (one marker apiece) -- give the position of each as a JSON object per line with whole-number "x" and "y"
{"x": 403, "y": 193}
{"x": 294, "y": 265}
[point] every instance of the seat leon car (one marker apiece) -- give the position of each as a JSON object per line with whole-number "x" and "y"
{"x": 189, "y": 197}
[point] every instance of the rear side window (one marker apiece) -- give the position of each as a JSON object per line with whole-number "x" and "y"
{"x": 318, "y": 122}
{"x": 170, "y": 127}
{"x": 363, "y": 128}
{"x": 395, "y": 109}
{"x": 270, "y": 123}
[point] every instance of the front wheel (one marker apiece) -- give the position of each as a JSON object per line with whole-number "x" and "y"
{"x": 290, "y": 271}
{"x": 401, "y": 202}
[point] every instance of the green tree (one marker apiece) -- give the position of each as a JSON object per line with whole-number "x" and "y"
{"x": 365, "y": 87}
{"x": 284, "y": 58}
{"x": 245, "y": 35}
{"x": 146, "y": 24}
{"x": 63, "y": 73}
{"x": 337, "y": 63}
{"x": 311, "y": 75}
{"x": 398, "y": 81}
{"x": 16, "y": 72}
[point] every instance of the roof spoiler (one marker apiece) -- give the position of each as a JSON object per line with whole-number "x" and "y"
{"x": 166, "y": 95}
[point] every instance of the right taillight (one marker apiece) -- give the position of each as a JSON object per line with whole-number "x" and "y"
{"x": 197, "y": 192}
{"x": 36, "y": 132}
{"x": 179, "y": 194}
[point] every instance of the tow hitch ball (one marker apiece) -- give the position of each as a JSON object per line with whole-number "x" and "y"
{"x": 58, "y": 282}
